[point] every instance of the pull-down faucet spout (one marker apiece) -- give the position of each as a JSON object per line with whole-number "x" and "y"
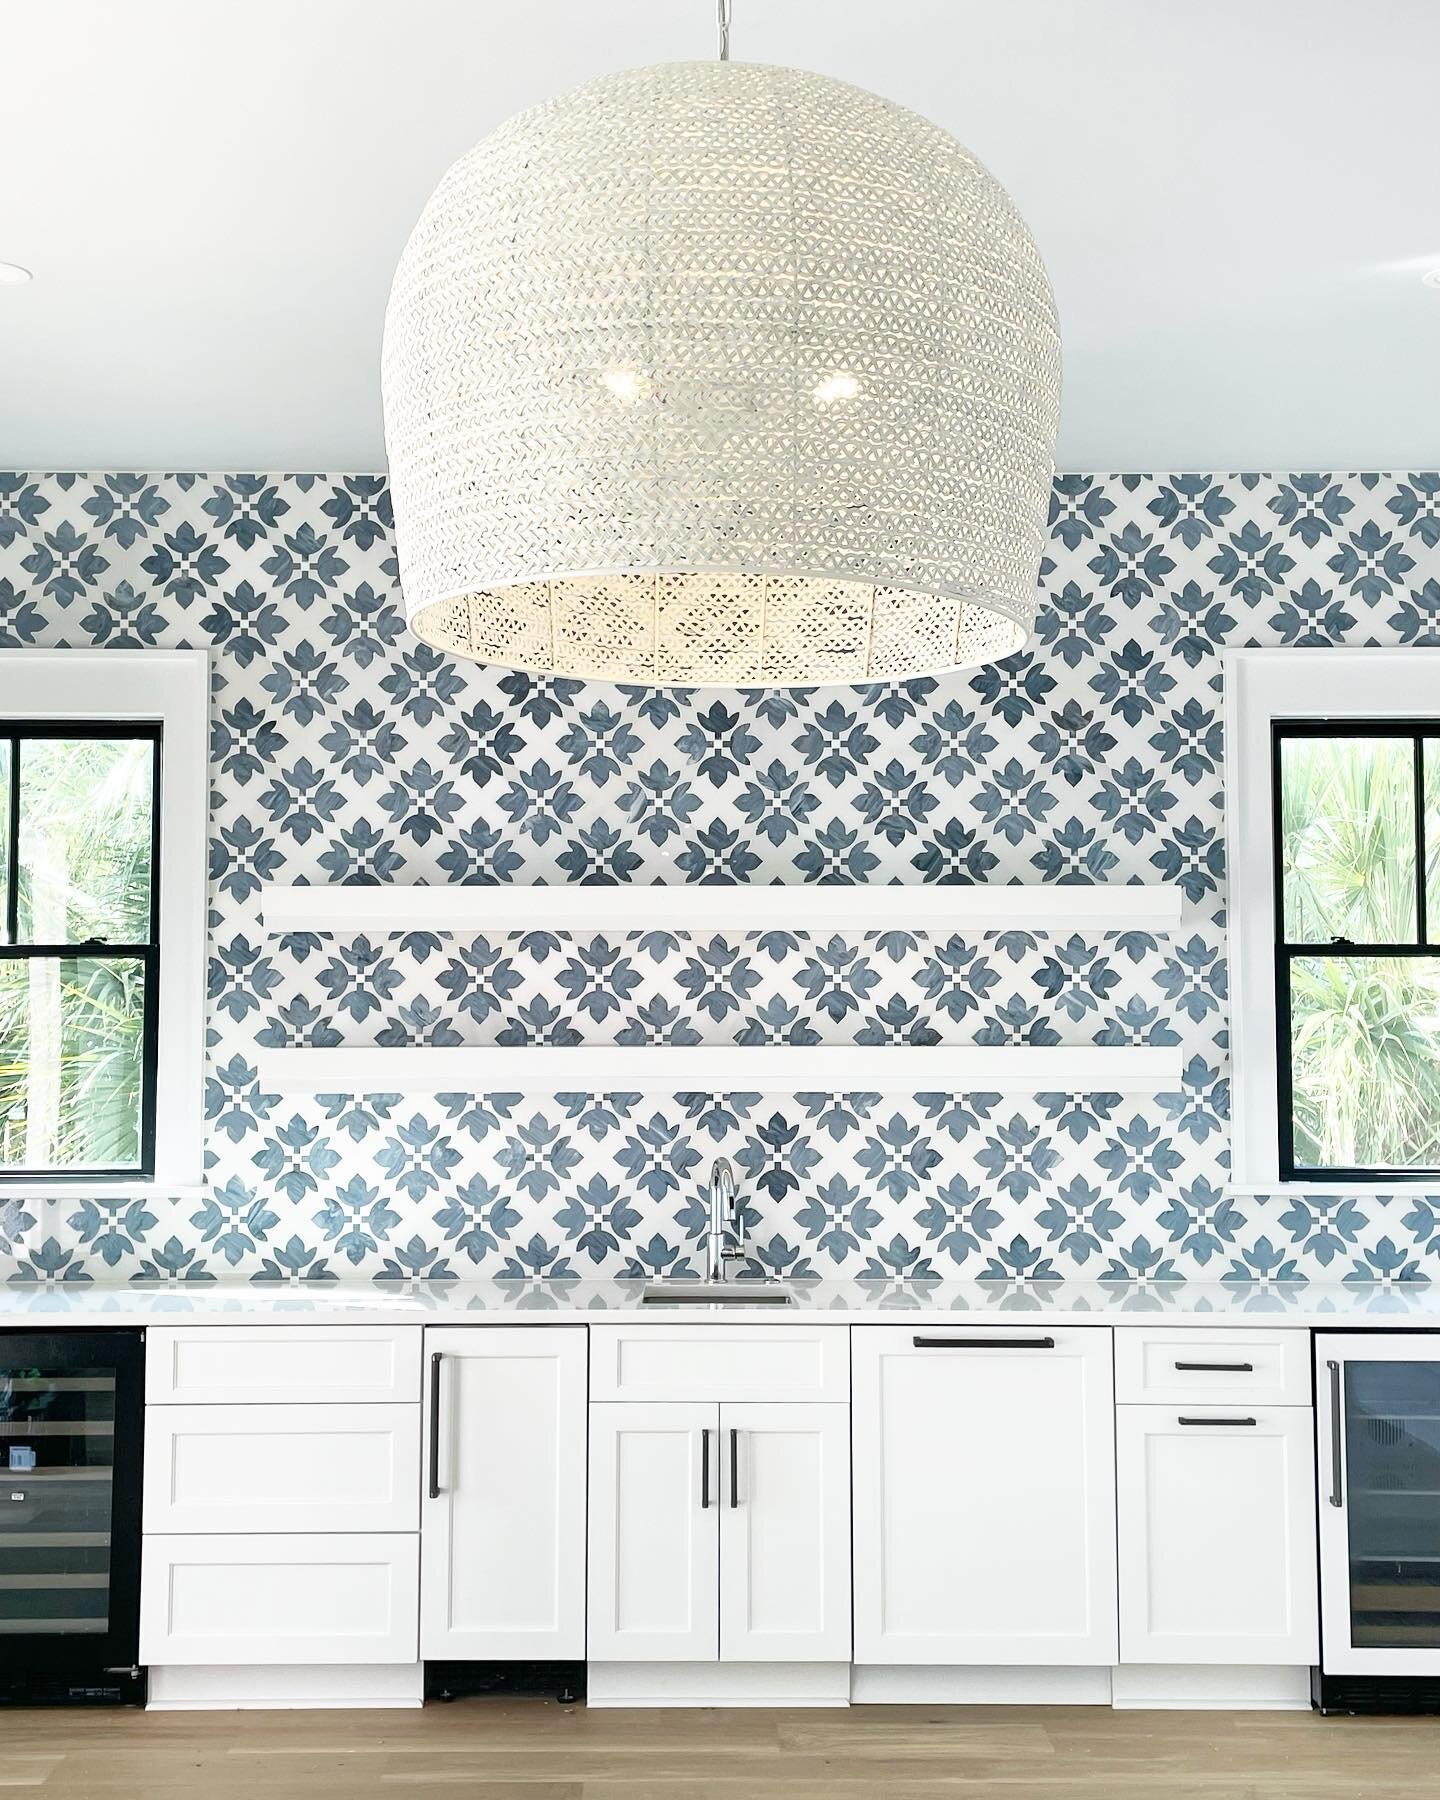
{"x": 724, "y": 1240}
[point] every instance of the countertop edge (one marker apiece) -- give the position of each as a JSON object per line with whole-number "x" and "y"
{"x": 1192, "y": 1305}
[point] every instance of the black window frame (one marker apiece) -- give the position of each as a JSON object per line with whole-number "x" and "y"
{"x": 13, "y": 733}
{"x": 1419, "y": 732}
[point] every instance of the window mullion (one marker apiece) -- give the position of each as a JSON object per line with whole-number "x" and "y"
{"x": 12, "y": 860}
{"x": 1422, "y": 923}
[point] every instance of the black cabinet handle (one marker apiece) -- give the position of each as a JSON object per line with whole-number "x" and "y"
{"x": 435, "y": 1361}
{"x": 1337, "y": 1466}
{"x": 705, "y": 1469}
{"x": 983, "y": 1343}
{"x": 1218, "y": 1368}
{"x": 1184, "y": 1421}
{"x": 734, "y": 1467}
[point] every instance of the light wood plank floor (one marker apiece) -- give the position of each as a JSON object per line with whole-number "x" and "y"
{"x": 534, "y": 1750}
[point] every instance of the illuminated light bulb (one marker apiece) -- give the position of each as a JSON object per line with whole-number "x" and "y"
{"x": 836, "y": 387}
{"x": 624, "y": 384}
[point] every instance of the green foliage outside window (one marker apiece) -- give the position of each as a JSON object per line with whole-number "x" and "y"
{"x": 1364, "y": 1038}
{"x": 77, "y": 885}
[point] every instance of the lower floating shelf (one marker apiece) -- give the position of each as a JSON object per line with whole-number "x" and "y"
{"x": 813, "y": 907}
{"x": 725, "y": 1069}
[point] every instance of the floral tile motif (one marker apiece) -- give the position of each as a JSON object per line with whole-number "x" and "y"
{"x": 344, "y": 751}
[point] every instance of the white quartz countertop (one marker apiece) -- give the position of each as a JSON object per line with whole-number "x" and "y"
{"x": 1413, "y": 1305}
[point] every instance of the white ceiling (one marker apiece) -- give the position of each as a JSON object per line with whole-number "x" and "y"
{"x": 1235, "y": 201}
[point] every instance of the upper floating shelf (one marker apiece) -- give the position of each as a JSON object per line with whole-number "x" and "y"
{"x": 725, "y": 1069}
{"x": 934, "y": 907}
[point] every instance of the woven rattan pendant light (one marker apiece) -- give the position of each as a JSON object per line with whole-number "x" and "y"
{"x": 714, "y": 373}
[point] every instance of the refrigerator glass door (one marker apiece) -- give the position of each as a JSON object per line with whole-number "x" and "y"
{"x": 1379, "y": 1432}
{"x": 70, "y": 1446}
{"x": 1392, "y": 1450}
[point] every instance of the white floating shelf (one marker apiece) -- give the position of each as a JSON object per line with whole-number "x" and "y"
{"x": 724, "y": 1069}
{"x": 932, "y": 907}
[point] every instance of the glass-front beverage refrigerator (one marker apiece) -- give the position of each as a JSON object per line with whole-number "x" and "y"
{"x": 71, "y": 1429}
{"x": 1378, "y": 1442}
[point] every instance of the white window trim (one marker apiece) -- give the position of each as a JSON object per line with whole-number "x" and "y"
{"x": 1260, "y": 687}
{"x": 173, "y": 687}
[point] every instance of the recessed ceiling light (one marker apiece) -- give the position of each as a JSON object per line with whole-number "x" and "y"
{"x": 11, "y": 274}
{"x": 1431, "y": 277}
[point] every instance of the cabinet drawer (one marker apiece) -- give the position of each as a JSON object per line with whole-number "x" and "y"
{"x": 1167, "y": 1364}
{"x": 281, "y": 1364}
{"x": 340, "y": 1599}
{"x": 282, "y": 1468}
{"x": 719, "y": 1362}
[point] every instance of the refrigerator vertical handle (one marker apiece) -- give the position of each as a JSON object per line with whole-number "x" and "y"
{"x": 435, "y": 1360}
{"x": 1337, "y": 1492}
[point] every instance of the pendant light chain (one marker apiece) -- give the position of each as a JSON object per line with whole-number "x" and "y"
{"x": 722, "y": 19}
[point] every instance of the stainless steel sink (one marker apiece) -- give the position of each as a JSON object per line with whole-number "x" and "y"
{"x": 714, "y": 1293}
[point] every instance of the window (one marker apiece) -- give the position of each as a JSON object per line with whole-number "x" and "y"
{"x": 1356, "y": 817}
{"x": 80, "y": 958}
{"x": 103, "y": 802}
{"x": 1332, "y": 917}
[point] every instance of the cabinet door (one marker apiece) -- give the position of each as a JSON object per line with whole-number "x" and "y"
{"x": 654, "y": 1533}
{"x": 1217, "y": 1535}
{"x": 785, "y": 1533}
{"x": 984, "y": 1494}
{"x": 503, "y": 1570}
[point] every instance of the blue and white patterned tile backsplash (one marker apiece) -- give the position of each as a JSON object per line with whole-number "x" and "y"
{"x": 342, "y": 750}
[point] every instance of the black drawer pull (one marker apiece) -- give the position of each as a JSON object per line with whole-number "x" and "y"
{"x": 983, "y": 1343}
{"x": 1184, "y": 1421}
{"x": 434, "y": 1483}
{"x": 1218, "y": 1368}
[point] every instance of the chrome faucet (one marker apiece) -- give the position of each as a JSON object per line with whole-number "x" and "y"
{"x": 725, "y": 1238}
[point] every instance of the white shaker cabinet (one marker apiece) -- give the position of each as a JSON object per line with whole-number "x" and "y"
{"x": 260, "y": 1598}
{"x": 719, "y": 1531}
{"x": 654, "y": 1532}
{"x": 281, "y": 1468}
{"x": 984, "y": 1494}
{"x": 280, "y": 1508}
{"x": 503, "y": 1513}
{"x": 1217, "y": 1534}
{"x": 785, "y": 1533}
{"x": 282, "y": 1365}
